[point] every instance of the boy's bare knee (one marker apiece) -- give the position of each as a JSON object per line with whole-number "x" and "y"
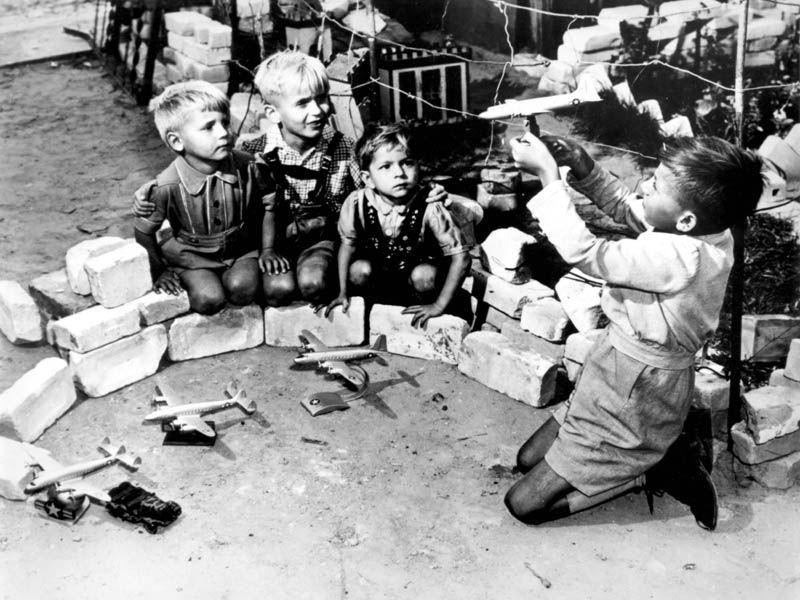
{"x": 360, "y": 272}
{"x": 241, "y": 289}
{"x": 279, "y": 290}
{"x": 206, "y": 302}
{"x": 312, "y": 284}
{"x": 423, "y": 278}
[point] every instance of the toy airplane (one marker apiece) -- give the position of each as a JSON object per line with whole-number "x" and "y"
{"x": 335, "y": 358}
{"x": 51, "y": 476}
{"x": 586, "y": 92}
{"x": 188, "y": 417}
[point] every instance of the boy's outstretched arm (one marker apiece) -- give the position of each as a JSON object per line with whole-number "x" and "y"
{"x": 343, "y": 260}
{"x": 166, "y": 280}
{"x": 459, "y": 267}
{"x": 531, "y": 155}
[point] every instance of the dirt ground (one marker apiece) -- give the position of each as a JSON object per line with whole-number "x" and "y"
{"x": 398, "y": 497}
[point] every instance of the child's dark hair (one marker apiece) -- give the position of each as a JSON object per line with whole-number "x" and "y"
{"x": 719, "y": 182}
{"x": 379, "y": 136}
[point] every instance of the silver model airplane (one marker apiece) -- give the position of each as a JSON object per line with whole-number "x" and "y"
{"x": 189, "y": 417}
{"x": 51, "y": 475}
{"x": 586, "y": 92}
{"x": 335, "y": 358}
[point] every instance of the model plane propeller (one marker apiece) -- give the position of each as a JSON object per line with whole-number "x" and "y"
{"x": 57, "y": 479}
{"x": 586, "y": 92}
{"x": 334, "y": 358}
{"x": 189, "y": 417}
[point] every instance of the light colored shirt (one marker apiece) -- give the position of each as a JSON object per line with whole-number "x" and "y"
{"x": 663, "y": 291}
{"x": 436, "y": 220}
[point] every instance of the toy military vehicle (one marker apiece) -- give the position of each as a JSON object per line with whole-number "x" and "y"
{"x": 136, "y": 505}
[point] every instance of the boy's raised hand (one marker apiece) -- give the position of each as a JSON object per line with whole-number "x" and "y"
{"x": 272, "y": 263}
{"x": 570, "y": 154}
{"x": 531, "y": 155}
{"x": 142, "y": 206}
{"x": 168, "y": 282}
{"x": 422, "y": 312}
{"x": 437, "y": 193}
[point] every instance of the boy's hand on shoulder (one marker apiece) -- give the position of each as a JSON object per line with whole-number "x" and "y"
{"x": 422, "y": 312}
{"x": 531, "y": 155}
{"x": 168, "y": 282}
{"x": 570, "y": 154}
{"x": 340, "y": 300}
{"x": 272, "y": 263}
{"x": 437, "y": 193}
{"x": 142, "y": 206}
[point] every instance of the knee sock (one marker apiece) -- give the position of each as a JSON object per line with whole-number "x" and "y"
{"x": 575, "y": 501}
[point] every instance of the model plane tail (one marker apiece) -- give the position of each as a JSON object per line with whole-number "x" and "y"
{"x": 241, "y": 401}
{"x": 159, "y": 397}
{"x": 119, "y": 453}
{"x": 379, "y": 345}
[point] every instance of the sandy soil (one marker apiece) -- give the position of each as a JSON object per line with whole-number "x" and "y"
{"x": 398, "y": 497}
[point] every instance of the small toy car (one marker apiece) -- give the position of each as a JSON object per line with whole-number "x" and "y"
{"x": 136, "y": 505}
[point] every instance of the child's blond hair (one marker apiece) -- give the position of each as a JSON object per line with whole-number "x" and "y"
{"x": 290, "y": 70}
{"x": 171, "y": 108}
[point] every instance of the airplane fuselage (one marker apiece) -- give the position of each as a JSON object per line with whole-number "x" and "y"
{"x": 54, "y": 476}
{"x": 333, "y": 355}
{"x": 197, "y": 408}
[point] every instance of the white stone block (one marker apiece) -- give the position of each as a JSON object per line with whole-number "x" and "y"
{"x": 440, "y": 339}
{"x": 212, "y": 74}
{"x": 16, "y": 470}
{"x": 781, "y": 473}
{"x": 489, "y": 200}
{"x": 761, "y": 28}
{"x": 711, "y": 391}
{"x": 577, "y": 349}
{"x": 120, "y": 363}
{"x": 772, "y": 412}
{"x": 183, "y": 22}
{"x": 760, "y": 59}
{"x": 579, "y": 295}
{"x": 205, "y": 54}
{"x": 213, "y": 34}
{"x": 232, "y": 328}
{"x": 525, "y": 339}
{"x": 765, "y": 338}
{"x": 612, "y": 17}
{"x": 762, "y": 44}
{"x": 688, "y": 10}
{"x": 750, "y": 453}
{"x": 36, "y": 400}
{"x": 95, "y": 327}
{"x": 20, "y": 320}
{"x": 778, "y": 378}
{"x": 120, "y": 275}
{"x": 665, "y": 31}
{"x": 504, "y": 296}
{"x": 590, "y": 39}
{"x": 559, "y": 78}
{"x": 546, "y": 319}
{"x": 501, "y": 180}
{"x": 498, "y": 363}
{"x": 77, "y": 256}
{"x": 177, "y": 41}
{"x": 174, "y": 74}
{"x": 792, "y": 369}
{"x": 282, "y": 326}
{"x": 157, "y": 307}
{"x": 54, "y": 296}
{"x": 502, "y": 252}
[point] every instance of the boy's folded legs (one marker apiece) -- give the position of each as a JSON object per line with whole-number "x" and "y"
{"x": 204, "y": 287}
{"x": 240, "y": 281}
{"x": 535, "y": 498}
{"x": 279, "y": 289}
{"x": 316, "y": 273}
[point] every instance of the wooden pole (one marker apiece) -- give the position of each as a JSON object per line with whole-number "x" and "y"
{"x": 738, "y": 231}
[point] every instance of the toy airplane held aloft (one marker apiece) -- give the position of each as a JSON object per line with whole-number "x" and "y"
{"x": 334, "y": 359}
{"x": 188, "y": 417}
{"x": 586, "y": 92}
{"x": 67, "y": 499}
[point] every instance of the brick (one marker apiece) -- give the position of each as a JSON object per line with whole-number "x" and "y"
{"x": 178, "y": 41}
{"x": 212, "y": 74}
{"x": 55, "y": 297}
{"x": 772, "y": 412}
{"x": 546, "y": 319}
{"x": 783, "y": 154}
{"x": 501, "y": 180}
{"x": 612, "y": 17}
{"x": 711, "y": 391}
{"x": 577, "y": 348}
{"x": 183, "y": 22}
{"x": 792, "y": 369}
{"x": 204, "y": 54}
{"x": 232, "y": 328}
{"x": 77, "y": 256}
{"x": 664, "y": 31}
{"x": 174, "y": 74}
{"x": 765, "y": 338}
{"x": 685, "y": 10}
{"x": 750, "y": 453}
{"x": 504, "y": 296}
{"x": 120, "y": 363}
{"x": 762, "y": 44}
{"x": 579, "y": 295}
{"x": 778, "y": 378}
{"x": 765, "y": 27}
{"x": 213, "y": 34}
{"x": 95, "y": 327}
{"x": 20, "y": 320}
{"x": 526, "y": 339}
{"x": 781, "y": 473}
{"x": 488, "y": 200}
{"x": 282, "y": 326}
{"x": 498, "y": 363}
{"x": 501, "y": 252}
{"x": 157, "y": 307}
{"x": 440, "y": 339}
{"x": 467, "y": 214}
{"x": 36, "y": 400}
{"x": 120, "y": 275}
{"x": 760, "y": 59}
{"x": 16, "y": 470}
{"x": 590, "y": 39}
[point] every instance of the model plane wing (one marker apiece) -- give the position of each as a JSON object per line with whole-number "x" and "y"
{"x": 162, "y": 395}
{"x": 313, "y": 342}
{"x": 341, "y": 368}
{"x": 194, "y": 422}
{"x": 80, "y": 488}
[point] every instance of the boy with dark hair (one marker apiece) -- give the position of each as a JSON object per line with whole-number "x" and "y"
{"x": 211, "y": 196}
{"x": 663, "y": 294}
{"x": 391, "y": 237}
